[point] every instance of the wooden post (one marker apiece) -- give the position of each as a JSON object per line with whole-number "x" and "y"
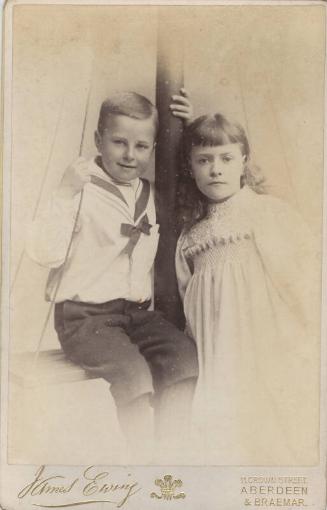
{"x": 169, "y": 82}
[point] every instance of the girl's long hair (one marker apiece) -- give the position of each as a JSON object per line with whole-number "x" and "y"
{"x": 209, "y": 130}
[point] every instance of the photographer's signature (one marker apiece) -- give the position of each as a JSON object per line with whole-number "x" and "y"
{"x": 93, "y": 486}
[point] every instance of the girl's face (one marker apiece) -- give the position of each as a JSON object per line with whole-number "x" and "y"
{"x": 217, "y": 170}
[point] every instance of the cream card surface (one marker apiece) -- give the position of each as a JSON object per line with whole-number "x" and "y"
{"x": 103, "y": 418}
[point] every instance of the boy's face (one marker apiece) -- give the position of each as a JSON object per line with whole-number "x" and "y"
{"x": 126, "y": 146}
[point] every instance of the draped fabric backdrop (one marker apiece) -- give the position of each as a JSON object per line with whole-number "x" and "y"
{"x": 260, "y": 64}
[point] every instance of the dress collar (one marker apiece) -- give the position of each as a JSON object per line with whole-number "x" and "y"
{"x": 221, "y": 208}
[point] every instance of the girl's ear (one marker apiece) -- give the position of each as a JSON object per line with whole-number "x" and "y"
{"x": 97, "y": 140}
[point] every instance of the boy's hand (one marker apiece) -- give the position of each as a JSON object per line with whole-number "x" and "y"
{"x": 74, "y": 179}
{"x": 182, "y": 107}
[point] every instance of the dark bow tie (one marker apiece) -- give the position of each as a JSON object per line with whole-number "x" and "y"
{"x": 134, "y": 232}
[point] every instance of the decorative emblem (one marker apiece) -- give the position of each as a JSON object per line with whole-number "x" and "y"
{"x": 167, "y": 487}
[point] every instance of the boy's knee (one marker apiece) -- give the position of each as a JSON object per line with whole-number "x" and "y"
{"x": 184, "y": 352}
{"x": 130, "y": 381}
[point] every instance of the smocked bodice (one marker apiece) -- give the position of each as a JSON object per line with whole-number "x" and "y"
{"x": 225, "y": 231}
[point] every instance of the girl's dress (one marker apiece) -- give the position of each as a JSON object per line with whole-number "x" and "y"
{"x": 248, "y": 278}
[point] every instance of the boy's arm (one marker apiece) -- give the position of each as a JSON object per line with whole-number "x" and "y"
{"x": 48, "y": 237}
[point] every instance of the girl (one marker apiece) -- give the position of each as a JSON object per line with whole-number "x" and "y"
{"x": 247, "y": 274}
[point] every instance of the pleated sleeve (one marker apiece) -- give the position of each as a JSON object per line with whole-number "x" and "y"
{"x": 183, "y": 267}
{"x": 291, "y": 257}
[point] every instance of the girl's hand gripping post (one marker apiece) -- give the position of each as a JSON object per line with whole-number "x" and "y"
{"x": 182, "y": 107}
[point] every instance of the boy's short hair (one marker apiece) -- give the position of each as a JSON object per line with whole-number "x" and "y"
{"x": 129, "y": 104}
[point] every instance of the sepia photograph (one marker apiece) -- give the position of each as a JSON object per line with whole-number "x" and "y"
{"x": 163, "y": 284}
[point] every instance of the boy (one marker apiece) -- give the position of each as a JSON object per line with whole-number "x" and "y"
{"x": 102, "y": 299}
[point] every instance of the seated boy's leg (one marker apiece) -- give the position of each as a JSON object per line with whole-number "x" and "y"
{"x": 136, "y": 420}
{"x": 172, "y": 358}
{"x": 170, "y": 354}
{"x": 173, "y": 408}
{"x": 106, "y": 350}
{"x": 99, "y": 343}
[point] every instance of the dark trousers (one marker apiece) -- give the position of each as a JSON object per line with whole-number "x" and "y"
{"x": 137, "y": 351}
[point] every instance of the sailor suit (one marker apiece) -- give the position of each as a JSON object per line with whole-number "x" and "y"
{"x": 102, "y": 289}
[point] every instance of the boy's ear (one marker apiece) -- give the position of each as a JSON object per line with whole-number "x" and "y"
{"x": 97, "y": 140}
